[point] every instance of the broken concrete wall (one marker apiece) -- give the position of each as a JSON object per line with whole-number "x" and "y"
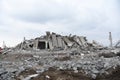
{"x": 68, "y": 42}
{"x": 60, "y": 43}
{"x": 41, "y": 44}
{"x": 35, "y": 44}
{"x": 53, "y": 41}
{"x": 77, "y": 40}
{"x": 83, "y": 41}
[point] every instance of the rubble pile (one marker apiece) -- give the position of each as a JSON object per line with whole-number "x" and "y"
{"x": 91, "y": 64}
{"x": 53, "y": 41}
{"x": 5, "y": 75}
{"x": 56, "y": 57}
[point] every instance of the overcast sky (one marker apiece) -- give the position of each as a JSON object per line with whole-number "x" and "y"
{"x": 32, "y": 18}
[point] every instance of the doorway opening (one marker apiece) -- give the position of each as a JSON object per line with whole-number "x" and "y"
{"x": 41, "y": 45}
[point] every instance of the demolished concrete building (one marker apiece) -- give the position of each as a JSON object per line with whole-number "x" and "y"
{"x": 52, "y": 55}
{"x": 53, "y": 41}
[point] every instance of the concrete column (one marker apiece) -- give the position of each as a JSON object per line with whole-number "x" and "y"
{"x": 46, "y": 45}
{"x": 110, "y": 38}
{"x": 59, "y": 40}
{"x": 35, "y": 44}
{"x": 54, "y": 40}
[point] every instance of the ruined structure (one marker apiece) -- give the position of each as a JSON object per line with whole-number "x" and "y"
{"x": 53, "y": 41}
{"x": 57, "y": 57}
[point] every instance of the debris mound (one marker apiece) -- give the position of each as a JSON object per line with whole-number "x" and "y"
{"x": 57, "y": 57}
{"x": 53, "y": 41}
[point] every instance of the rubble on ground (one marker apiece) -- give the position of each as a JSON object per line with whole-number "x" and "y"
{"x": 56, "y": 57}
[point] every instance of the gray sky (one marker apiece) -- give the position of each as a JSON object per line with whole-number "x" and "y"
{"x": 31, "y": 18}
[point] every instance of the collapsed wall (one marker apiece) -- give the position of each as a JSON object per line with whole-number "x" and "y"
{"x": 53, "y": 41}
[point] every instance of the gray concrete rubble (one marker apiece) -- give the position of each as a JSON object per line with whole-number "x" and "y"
{"x": 117, "y": 44}
{"x": 32, "y": 57}
{"x": 92, "y": 64}
{"x": 53, "y": 41}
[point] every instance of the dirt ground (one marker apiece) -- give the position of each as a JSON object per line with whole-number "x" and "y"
{"x": 53, "y": 74}
{"x": 114, "y": 74}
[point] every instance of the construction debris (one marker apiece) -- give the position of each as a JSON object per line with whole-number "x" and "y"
{"x": 0, "y": 50}
{"x": 117, "y": 44}
{"x": 56, "y": 57}
{"x": 53, "y": 41}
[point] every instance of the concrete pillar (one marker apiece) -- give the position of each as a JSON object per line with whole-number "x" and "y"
{"x": 50, "y": 45}
{"x": 59, "y": 40}
{"x": 54, "y": 40}
{"x": 110, "y": 38}
{"x": 46, "y": 45}
{"x": 35, "y": 44}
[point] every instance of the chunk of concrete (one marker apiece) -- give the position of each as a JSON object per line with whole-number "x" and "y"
{"x": 54, "y": 40}
{"x": 69, "y": 43}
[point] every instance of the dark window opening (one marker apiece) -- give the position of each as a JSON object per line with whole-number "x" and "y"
{"x": 41, "y": 45}
{"x": 31, "y": 45}
{"x": 48, "y": 46}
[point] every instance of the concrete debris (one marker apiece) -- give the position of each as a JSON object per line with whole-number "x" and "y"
{"x": 96, "y": 44}
{"x": 117, "y": 44}
{"x": 30, "y": 76}
{"x": 5, "y": 75}
{"x": 56, "y": 57}
{"x": 5, "y": 51}
{"x": 1, "y": 50}
{"x": 53, "y": 41}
